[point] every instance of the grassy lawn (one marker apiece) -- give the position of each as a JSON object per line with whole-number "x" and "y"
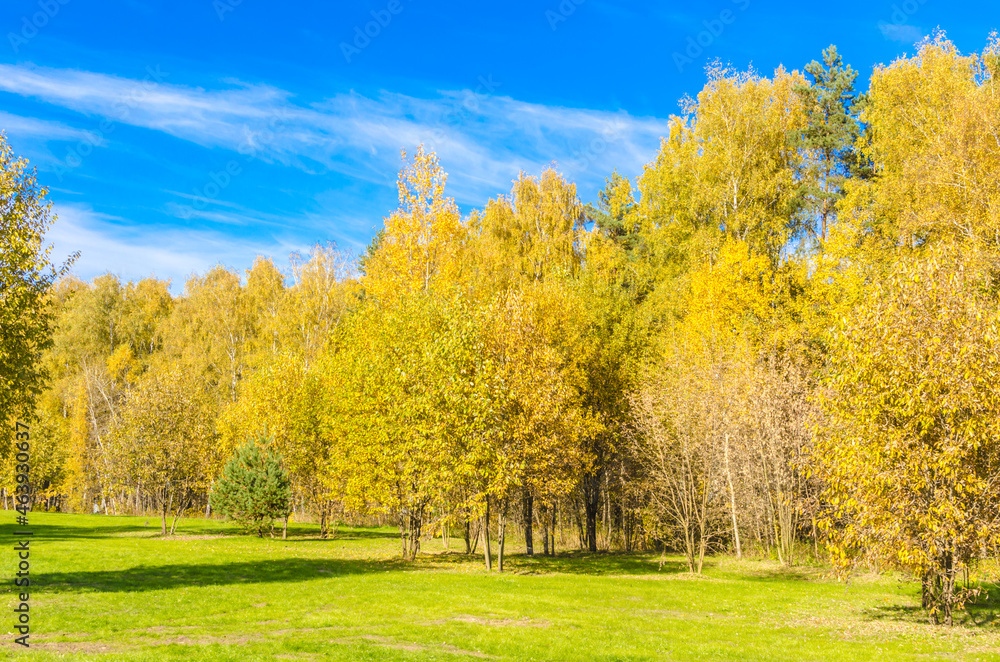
{"x": 110, "y": 588}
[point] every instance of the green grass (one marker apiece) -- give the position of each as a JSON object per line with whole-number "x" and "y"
{"x": 110, "y": 588}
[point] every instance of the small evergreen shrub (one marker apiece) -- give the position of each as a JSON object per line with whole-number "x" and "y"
{"x": 254, "y": 488}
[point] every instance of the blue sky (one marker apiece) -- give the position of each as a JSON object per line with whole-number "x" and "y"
{"x": 178, "y": 134}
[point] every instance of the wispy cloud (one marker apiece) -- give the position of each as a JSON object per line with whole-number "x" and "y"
{"x": 906, "y": 34}
{"x": 141, "y": 251}
{"x": 24, "y": 131}
{"x": 29, "y": 127}
{"x": 484, "y": 144}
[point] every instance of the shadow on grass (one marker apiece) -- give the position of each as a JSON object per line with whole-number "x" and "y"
{"x": 123, "y": 527}
{"x": 984, "y": 612}
{"x": 572, "y": 562}
{"x": 312, "y": 535}
{"x": 778, "y": 574}
{"x": 162, "y": 577}
{"x": 986, "y": 609}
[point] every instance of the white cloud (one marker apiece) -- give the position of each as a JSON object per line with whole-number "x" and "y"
{"x": 483, "y": 140}
{"x": 208, "y": 118}
{"x": 35, "y": 135}
{"x": 907, "y": 34}
{"x": 16, "y": 126}
{"x": 107, "y": 243}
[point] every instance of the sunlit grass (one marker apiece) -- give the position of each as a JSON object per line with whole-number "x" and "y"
{"x": 110, "y": 588}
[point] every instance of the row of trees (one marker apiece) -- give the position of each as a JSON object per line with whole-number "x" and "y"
{"x": 782, "y": 334}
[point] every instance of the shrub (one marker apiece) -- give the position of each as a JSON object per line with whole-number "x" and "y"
{"x": 254, "y": 488}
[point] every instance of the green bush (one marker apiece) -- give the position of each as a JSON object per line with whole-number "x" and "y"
{"x": 254, "y": 489}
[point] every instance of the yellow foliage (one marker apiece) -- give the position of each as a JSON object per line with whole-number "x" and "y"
{"x": 421, "y": 243}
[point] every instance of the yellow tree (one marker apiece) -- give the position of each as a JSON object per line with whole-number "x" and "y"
{"x": 163, "y": 444}
{"x": 212, "y": 329}
{"x": 26, "y": 278}
{"x": 108, "y": 333}
{"x": 533, "y": 234}
{"x": 729, "y": 168}
{"x": 421, "y": 241}
{"x": 719, "y": 209}
{"x": 933, "y": 147}
{"x": 537, "y": 425}
{"x": 282, "y": 402}
{"x": 908, "y": 452}
{"x": 933, "y": 141}
{"x": 743, "y": 122}
{"x": 323, "y": 289}
{"x": 386, "y": 380}
{"x": 392, "y": 389}
{"x": 534, "y": 245}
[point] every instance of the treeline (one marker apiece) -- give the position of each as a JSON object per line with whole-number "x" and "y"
{"x": 782, "y": 335}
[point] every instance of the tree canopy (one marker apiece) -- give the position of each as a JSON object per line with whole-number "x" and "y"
{"x": 780, "y": 338}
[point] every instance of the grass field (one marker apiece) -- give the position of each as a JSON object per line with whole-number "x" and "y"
{"x": 110, "y": 588}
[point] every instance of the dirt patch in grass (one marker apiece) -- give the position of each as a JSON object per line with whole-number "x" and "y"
{"x": 412, "y": 647}
{"x": 687, "y": 615}
{"x": 491, "y": 622}
{"x": 872, "y": 625}
{"x": 86, "y": 647}
{"x": 165, "y": 629}
{"x": 243, "y": 639}
{"x": 671, "y": 577}
{"x": 155, "y": 534}
{"x": 206, "y": 640}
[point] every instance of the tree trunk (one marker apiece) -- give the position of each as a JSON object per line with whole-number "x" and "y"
{"x": 416, "y": 529}
{"x": 485, "y": 528}
{"x": 543, "y": 512}
{"x": 180, "y": 508}
{"x": 502, "y": 535}
{"x": 732, "y": 499}
{"x": 284, "y": 529}
{"x": 554, "y": 515}
{"x": 163, "y": 514}
{"x": 591, "y": 503}
{"x": 948, "y": 588}
{"x": 468, "y": 537}
{"x": 529, "y": 504}
{"x": 702, "y": 543}
{"x": 403, "y": 533}
{"x": 607, "y": 513}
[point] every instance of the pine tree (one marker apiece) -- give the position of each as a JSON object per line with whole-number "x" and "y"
{"x": 615, "y": 216}
{"x": 254, "y": 488}
{"x": 830, "y": 103}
